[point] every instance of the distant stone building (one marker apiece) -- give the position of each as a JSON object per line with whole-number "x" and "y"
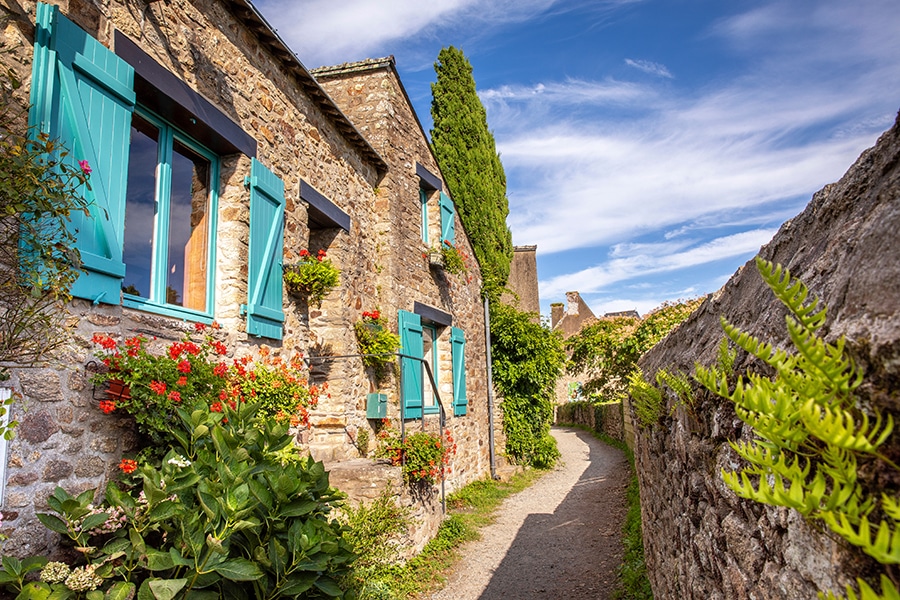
{"x": 523, "y": 280}
{"x": 569, "y": 319}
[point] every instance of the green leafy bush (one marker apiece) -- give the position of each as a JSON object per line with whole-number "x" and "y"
{"x": 312, "y": 276}
{"x": 231, "y": 511}
{"x": 41, "y": 185}
{"x": 376, "y": 343}
{"x": 527, "y": 361}
{"x": 423, "y": 456}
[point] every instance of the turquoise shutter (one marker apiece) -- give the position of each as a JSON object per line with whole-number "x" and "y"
{"x": 410, "y": 325}
{"x": 265, "y": 314}
{"x": 458, "y": 352}
{"x": 83, "y": 95}
{"x": 448, "y": 222}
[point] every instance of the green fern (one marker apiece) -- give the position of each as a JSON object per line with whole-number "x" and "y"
{"x": 809, "y": 430}
{"x": 648, "y": 400}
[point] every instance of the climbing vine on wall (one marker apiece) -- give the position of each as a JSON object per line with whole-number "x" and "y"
{"x": 811, "y": 435}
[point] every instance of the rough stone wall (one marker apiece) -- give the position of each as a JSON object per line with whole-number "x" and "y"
{"x": 373, "y": 97}
{"x": 523, "y": 280}
{"x": 63, "y": 438}
{"x": 701, "y": 541}
{"x": 603, "y": 418}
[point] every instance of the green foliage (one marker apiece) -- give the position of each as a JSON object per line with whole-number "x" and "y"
{"x": 454, "y": 260}
{"x": 889, "y": 591}
{"x": 811, "y": 434}
{"x": 41, "y": 185}
{"x": 633, "y": 573}
{"x": 231, "y": 511}
{"x": 312, "y": 276}
{"x": 376, "y": 342}
{"x": 423, "y": 456}
{"x": 467, "y": 154}
{"x": 527, "y": 361}
{"x": 375, "y": 532}
{"x": 607, "y": 351}
{"x": 157, "y": 385}
{"x": 649, "y": 405}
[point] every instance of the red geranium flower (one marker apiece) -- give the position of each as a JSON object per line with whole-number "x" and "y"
{"x": 220, "y": 370}
{"x": 174, "y": 396}
{"x": 182, "y": 381}
{"x": 220, "y": 348}
{"x": 215, "y": 407}
{"x": 107, "y": 406}
{"x": 304, "y": 253}
{"x": 184, "y": 366}
{"x": 128, "y": 465}
{"x": 158, "y": 387}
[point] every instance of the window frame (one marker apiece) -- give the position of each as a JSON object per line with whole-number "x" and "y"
{"x": 423, "y": 200}
{"x": 434, "y": 407}
{"x": 168, "y": 134}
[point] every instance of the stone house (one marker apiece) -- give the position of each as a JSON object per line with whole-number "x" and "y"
{"x": 217, "y": 157}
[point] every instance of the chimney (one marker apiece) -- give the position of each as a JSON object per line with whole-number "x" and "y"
{"x": 556, "y": 314}
{"x": 573, "y": 299}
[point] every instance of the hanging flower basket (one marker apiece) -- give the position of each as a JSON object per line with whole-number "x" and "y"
{"x": 116, "y": 389}
{"x": 436, "y": 258}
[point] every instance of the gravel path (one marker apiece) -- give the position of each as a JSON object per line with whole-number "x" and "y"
{"x": 558, "y": 539}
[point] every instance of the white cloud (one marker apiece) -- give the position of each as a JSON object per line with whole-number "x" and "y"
{"x": 329, "y": 32}
{"x": 650, "y": 67}
{"x": 631, "y": 261}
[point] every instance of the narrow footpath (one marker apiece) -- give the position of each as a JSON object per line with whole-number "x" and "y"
{"x": 559, "y": 539}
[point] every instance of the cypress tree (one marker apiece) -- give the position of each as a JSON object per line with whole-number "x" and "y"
{"x": 467, "y": 155}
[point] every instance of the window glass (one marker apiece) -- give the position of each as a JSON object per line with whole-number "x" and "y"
{"x": 429, "y": 353}
{"x": 140, "y": 207}
{"x": 167, "y": 247}
{"x": 188, "y": 229}
{"x": 423, "y": 198}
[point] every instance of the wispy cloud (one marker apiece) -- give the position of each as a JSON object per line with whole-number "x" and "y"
{"x": 630, "y": 261}
{"x": 650, "y": 67}
{"x": 328, "y": 32}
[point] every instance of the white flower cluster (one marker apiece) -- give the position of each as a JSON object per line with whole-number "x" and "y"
{"x": 179, "y": 461}
{"x": 83, "y": 579}
{"x": 55, "y": 572}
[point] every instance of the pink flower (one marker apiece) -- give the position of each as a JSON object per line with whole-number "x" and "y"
{"x": 85, "y": 167}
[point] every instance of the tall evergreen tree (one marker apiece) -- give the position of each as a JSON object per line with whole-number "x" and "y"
{"x": 468, "y": 158}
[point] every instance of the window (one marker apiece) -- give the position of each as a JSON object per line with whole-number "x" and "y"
{"x": 430, "y": 356}
{"x": 423, "y": 199}
{"x": 169, "y": 242}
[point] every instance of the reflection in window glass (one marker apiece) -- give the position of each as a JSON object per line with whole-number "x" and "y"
{"x": 429, "y": 353}
{"x": 140, "y": 207}
{"x": 188, "y": 249}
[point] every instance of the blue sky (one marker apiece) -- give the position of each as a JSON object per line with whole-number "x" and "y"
{"x": 650, "y": 147}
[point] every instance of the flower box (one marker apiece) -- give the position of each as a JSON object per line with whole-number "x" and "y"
{"x": 436, "y": 258}
{"x": 116, "y": 389}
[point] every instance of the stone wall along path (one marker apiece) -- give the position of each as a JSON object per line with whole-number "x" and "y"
{"x": 560, "y": 538}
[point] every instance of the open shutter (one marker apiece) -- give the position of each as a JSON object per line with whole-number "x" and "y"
{"x": 83, "y": 95}
{"x": 265, "y": 313}
{"x": 458, "y": 352}
{"x": 448, "y": 221}
{"x": 411, "y": 371}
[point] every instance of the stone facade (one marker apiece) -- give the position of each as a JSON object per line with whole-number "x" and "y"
{"x": 523, "y": 280}
{"x": 701, "y": 541}
{"x": 229, "y": 60}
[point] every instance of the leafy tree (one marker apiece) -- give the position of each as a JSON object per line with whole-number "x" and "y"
{"x": 607, "y": 351}
{"x": 527, "y": 361}
{"x": 468, "y": 157}
{"x": 40, "y": 185}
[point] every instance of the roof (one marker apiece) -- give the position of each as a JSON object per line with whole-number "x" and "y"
{"x": 270, "y": 40}
{"x": 372, "y": 64}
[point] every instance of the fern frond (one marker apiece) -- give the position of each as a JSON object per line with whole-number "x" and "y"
{"x": 835, "y": 373}
{"x": 679, "y": 383}
{"x": 753, "y": 345}
{"x": 891, "y": 507}
{"x": 889, "y": 591}
{"x": 839, "y": 464}
{"x": 713, "y": 379}
{"x": 771, "y": 460}
{"x": 839, "y": 428}
{"x": 794, "y": 496}
{"x": 792, "y": 293}
{"x": 725, "y": 356}
{"x": 883, "y": 547}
